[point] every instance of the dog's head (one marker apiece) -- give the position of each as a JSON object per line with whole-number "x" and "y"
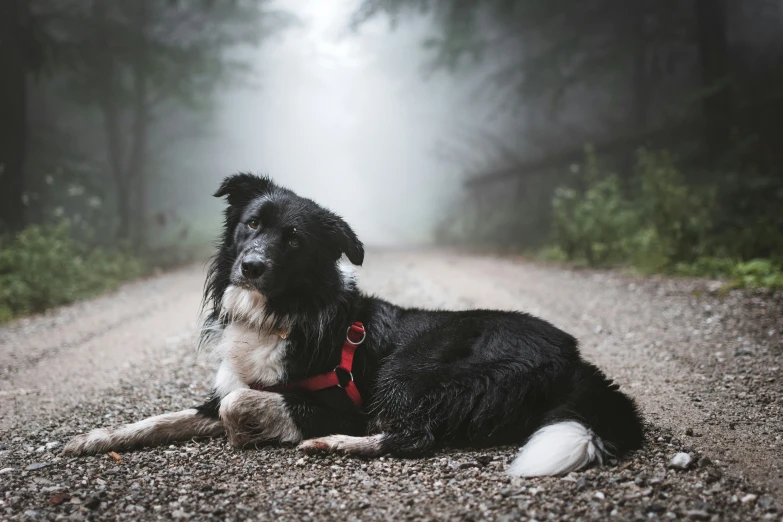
{"x": 282, "y": 248}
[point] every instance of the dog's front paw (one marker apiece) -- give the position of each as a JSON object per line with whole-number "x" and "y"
{"x": 345, "y": 444}
{"x": 314, "y": 446}
{"x": 87, "y": 443}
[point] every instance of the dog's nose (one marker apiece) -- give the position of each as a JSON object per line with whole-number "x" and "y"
{"x": 253, "y": 266}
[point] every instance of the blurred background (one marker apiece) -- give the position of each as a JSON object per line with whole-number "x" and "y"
{"x": 646, "y": 134}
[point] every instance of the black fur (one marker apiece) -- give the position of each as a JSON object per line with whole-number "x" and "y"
{"x": 428, "y": 378}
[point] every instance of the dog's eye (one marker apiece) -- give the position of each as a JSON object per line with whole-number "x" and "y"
{"x": 253, "y": 223}
{"x": 293, "y": 242}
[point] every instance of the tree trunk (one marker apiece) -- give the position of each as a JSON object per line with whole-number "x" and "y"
{"x": 640, "y": 94}
{"x": 14, "y": 17}
{"x": 107, "y": 87}
{"x": 137, "y": 161}
{"x": 713, "y": 50}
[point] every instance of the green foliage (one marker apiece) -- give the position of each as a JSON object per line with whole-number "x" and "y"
{"x": 43, "y": 267}
{"x": 680, "y": 217}
{"x": 756, "y": 273}
{"x": 594, "y": 224}
{"x": 666, "y": 227}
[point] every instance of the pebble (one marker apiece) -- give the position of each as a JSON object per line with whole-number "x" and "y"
{"x": 767, "y": 503}
{"x": 749, "y": 498}
{"x": 92, "y": 502}
{"x": 211, "y": 480}
{"x": 37, "y": 465}
{"x": 680, "y": 461}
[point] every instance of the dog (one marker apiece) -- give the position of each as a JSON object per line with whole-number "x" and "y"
{"x": 306, "y": 358}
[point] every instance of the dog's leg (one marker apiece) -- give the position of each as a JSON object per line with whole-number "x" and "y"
{"x": 371, "y": 446}
{"x": 252, "y": 417}
{"x": 161, "y": 429}
{"x": 402, "y": 444}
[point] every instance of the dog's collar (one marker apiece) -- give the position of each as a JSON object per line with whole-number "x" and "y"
{"x": 341, "y": 376}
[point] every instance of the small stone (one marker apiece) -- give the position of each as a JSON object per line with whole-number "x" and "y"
{"x": 748, "y": 499}
{"x": 655, "y": 508}
{"x": 51, "y": 445}
{"x": 37, "y": 465}
{"x": 92, "y": 502}
{"x": 689, "y": 432}
{"x": 713, "y": 475}
{"x": 6, "y": 470}
{"x": 698, "y": 514}
{"x": 599, "y": 495}
{"x": 484, "y": 460}
{"x": 767, "y": 503}
{"x": 680, "y": 461}
{"x": 58, "y": 499}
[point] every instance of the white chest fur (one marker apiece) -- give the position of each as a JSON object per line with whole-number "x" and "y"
{"x": 248, "y": 357}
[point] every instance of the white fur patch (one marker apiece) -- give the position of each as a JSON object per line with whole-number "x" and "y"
{"x": 557, "y": 449}
{"x": 244, "y": 305}
{"x": 347, "y": 272}
{"x": 161, "y": 429}
{"x": 252, "y": 417}
{"x": 248, "y": 356}
{"x": 359, "y": 446}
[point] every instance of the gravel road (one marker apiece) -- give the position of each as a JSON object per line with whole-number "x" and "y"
{"x": 704, "y": 365}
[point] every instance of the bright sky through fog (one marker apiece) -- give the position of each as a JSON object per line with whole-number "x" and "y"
{"x": 348, "y": 119}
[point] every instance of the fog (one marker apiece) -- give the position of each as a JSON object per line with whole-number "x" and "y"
{"x": 121, "y": 119}
{"x": 350, "y": 118}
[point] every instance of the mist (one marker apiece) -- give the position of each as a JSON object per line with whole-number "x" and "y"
{"x": 351, "y": 118}
{"x": 603, "y": 133}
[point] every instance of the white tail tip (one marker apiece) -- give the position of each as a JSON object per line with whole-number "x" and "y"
{"x": 557, "y": 449}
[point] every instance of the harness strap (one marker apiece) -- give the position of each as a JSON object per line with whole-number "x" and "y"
{"x": 341, "y": 376}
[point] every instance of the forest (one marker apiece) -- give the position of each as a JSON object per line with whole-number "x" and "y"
{"x": 97, "y": 98}
{"x": 642, "y": 134}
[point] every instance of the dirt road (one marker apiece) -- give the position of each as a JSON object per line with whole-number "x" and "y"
{"x": 705, "y": 367}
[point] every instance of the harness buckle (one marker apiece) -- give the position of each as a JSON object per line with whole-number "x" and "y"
{"x": 348, "y": 336}
{"x": 344, "y": 377}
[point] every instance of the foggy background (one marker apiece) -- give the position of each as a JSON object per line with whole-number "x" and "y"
{"x": 350, "y": 117}
{"x": 603, "y": 132}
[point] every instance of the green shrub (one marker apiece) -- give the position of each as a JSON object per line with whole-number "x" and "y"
{"x": 679, "y": 216}
{"x": 594, "y": 225}
{"x": 758, "y": 273}
{"x": 43, "y": 267}
{"x": 667, "y": 223}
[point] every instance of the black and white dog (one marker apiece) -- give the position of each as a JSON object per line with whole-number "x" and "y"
{"x": 404, "y": 382}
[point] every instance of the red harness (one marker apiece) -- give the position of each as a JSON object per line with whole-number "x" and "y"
{"x": 341, "y": 376}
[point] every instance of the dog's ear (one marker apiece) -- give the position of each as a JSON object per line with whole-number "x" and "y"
{"x": 243, "y": 187}
{"x": 345, "y": 239}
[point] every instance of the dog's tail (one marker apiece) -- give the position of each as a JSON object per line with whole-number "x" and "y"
{"x": 596, "y": 422}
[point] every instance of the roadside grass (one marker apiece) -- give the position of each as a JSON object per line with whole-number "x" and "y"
{"x": 660, "y": 225}
{"x": 46, "y": 266}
